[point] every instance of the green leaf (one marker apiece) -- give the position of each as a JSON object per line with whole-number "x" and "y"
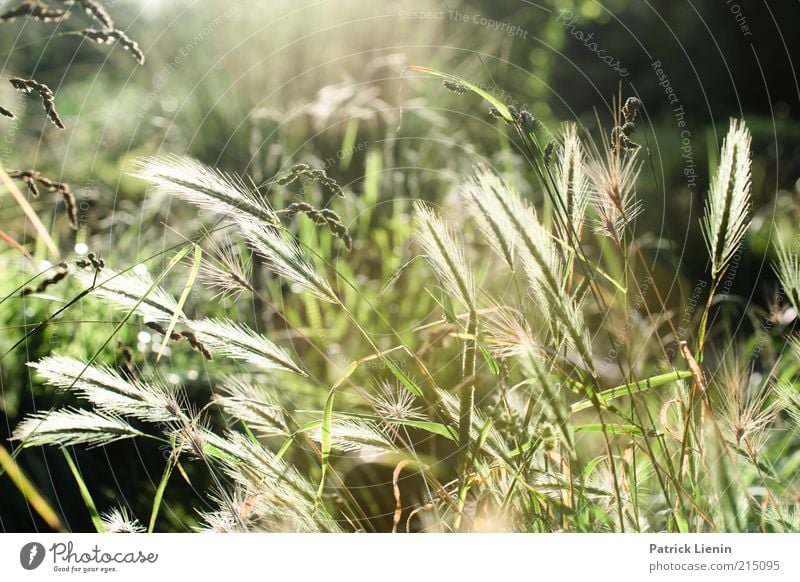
{"x": 494, "y": 101}
{"x": 404, "y": 379}
{"x": 325, "y": 442}
{"x": 84, "y": 490}
{"x": 610, "y": 428}
{"x": 160, "y": 494}
{"x": 632, "y": 388}
{"x": 494, "y": 367}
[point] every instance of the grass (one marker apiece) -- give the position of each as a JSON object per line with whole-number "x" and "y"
{"x": 509, "y": 357}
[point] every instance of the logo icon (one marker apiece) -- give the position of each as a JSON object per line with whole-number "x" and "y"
{"x": 31, "y": 555}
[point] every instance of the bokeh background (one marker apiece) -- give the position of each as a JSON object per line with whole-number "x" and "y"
{"x": 253, "y": 87}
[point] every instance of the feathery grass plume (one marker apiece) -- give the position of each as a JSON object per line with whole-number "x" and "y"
{"x": 550, "y": 397}
{"x": 287, "y": 260}
{"x": 445, "y": 255}
{"x": 109, "y": 392}
{"x": 124, "y": 290}
{"x": 68, "y": 426}
{"x": 205, "y": 187}
{"x": 236, "y": 513}
{"x": 31, "y": 178}
{"x": 543, "y": 266}
{"x": 253, "y": 405}
{"x": 507, "y": 333}
{"x": 746, "y": 409}
{"x": 612, "y": 179}
{"x": 119, "y": 520}
{"x": 230, "y": 270}
{"x": 494, "y": 444}
{"x": 787, "y": 269}
{"x": 28, "y": 86}
{"x": 572, "y": 185}
{"x": 728, "y": 205}
{"x": 111, "y": 36}
{"x": 787, "y": 394}
{"x": 35, "y": 10}
{"x": 352, "y": 435}
{"x": 289, "y": 495}
{"x": 493, "y": 222}
{"x": 783, "y": 516}
{"x": 393, "y": 402}
{"x": 237, "y": 341}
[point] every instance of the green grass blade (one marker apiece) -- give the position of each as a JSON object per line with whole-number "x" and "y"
{"x": 410, "y": 385}
{"x": 632, "y": 388}
{"x": 610, "y": 428}
{"x": 494, "y": 101}
{"x": 84, "y": 490}
{"x": 325, "y": 442}
{"x": 160, "y": 495}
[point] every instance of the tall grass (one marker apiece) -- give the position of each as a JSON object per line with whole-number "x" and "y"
{"x": 542, "y": 390}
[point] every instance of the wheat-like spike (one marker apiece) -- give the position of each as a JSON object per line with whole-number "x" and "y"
{"x": 229, "y": 270}
{"x": 543, "y": 267}
{"x": 612, "y": 191}
{"x": 494, "y": 444}
{"x": 287, "y": 260}
{"x": 783, "y": 516}
{"x": 110, "y": 392}
{"x": 67, "y": 427}
{"x": 492, "y": 221}
{"x": 786, "y": 392}
{"x": 445, "y": 254}
{"x": 205, "y": 187}
{"x": 572, "y": 184}
{"x": 237, "y": 341}
{"x": 728, "y": 206}
{"x": 254, "y": 406}
{"x": 351, "y": 435}
{"x": 788, "y": 270}
{"x": 550, "y": 397}
{"x": 290, "y": 494}
{"x": 119, "y": 520}
{"x": 125, "y": 290}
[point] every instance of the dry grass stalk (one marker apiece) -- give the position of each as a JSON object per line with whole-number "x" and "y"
{"x": 35, "y": 10}
{"x": 306, "y": 172}
{"x": 63, "y": 271}
{"x": 324, "y": 217}
{"x": 28, "y": 86}
{"x": 95, "y": 10}
{"x": 178, "y": 336}
{"x": 31, "y": 178}
{"x": 113, "y": 35}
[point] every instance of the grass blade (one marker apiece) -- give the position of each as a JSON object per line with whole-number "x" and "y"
{"x": 85, "y": 495}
